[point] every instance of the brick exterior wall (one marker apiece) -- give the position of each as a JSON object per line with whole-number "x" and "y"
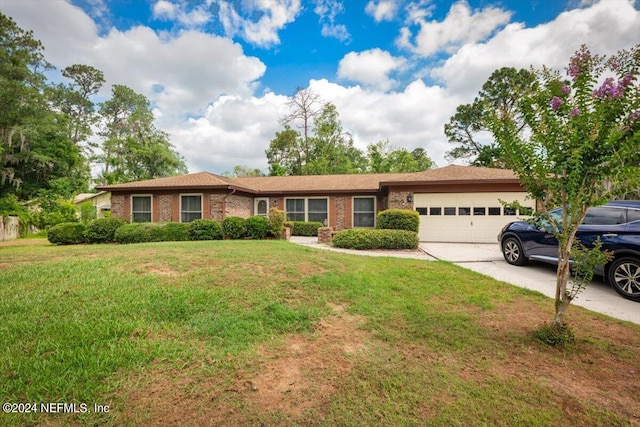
{"x": 241, "y": 206}
{"x": 341, "y": 203}
{"x": 215, "y": 205}
{"x": 117, "y": 207}
{"x": 165, "y": 208}
{"x": 398, "y": 200}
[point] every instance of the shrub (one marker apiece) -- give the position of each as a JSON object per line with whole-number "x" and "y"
{"x": 67, "y": 233}
{"x": 560, "y": 335}
{"x": 276, "y": 222}
{"x": 139, "y": 232}
{"x": 257, "y": 227}
{"x": 103, "y": 230}
{"x": 233, "y": 227}
{"x": 205, "y": 229}
{"x": 359, "y": 238}
{"x": 87, "y": 212}
{"x": 399, "y": 219}
{"x": 301, "y": 228}
{"x": 175, "y": 232}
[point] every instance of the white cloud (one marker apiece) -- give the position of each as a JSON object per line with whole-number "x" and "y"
{"x": 370, "y": 68}
{"x": 383, "y": 10}
{"x": 328, "y": 11}
{"x": 273, "y": 15}
{"x": 605, "y": 28}
{"x": 179, "y": 11}
{"x": 460, "y": 26}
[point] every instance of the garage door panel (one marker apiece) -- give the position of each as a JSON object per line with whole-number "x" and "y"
{"x": 482, "y": 225}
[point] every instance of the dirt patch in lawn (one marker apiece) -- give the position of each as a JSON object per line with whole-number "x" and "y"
{"x": 300, "y": 373}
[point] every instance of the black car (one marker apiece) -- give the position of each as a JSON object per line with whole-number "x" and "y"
{"x": 616, "y": 223}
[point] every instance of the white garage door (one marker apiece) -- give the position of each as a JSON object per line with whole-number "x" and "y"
{"x": 466, "y": 217}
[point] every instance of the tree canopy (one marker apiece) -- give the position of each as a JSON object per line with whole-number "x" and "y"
{"x": 324, "y": 147}
{"x": 574, "y": 142}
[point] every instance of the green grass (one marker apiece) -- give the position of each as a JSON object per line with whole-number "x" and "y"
{"x": 99, "y": 323}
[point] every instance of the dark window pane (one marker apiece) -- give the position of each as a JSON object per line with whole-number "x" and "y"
{"x": 191, "y": 203}
{"x": 295, "y": 216}
{"x": 633, "y": 215}
{"x": 449, "y": 211}
{"x": 363, "y": 219}
{"x": 509, "y": 211}
{"x": 464, "y": 211}
{"x": 526, "y": 211}
{"x": 141, "y": 203}
{"x": 295, "y": 209}
{"x": 317, "y": 205}
{"x": 435, "y": 211}
{"x": 190, "y": 216}
{"x": 363, "y": 204}
{"x": 422, "y": 211}
{"x": 141, "y": 217}
{"x": 604, "y": 216}
{"x": 494, "y": 211}
{"x": 479, "y": 211}
{"x": 262, "y": 208}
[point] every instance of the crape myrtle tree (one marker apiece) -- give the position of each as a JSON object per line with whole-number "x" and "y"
{"x": 574, "y": 142}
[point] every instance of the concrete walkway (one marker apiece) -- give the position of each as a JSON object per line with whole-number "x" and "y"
{"x": 486, "y": 258}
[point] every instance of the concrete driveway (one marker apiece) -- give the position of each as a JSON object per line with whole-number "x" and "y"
{"x": 487, "y": 259}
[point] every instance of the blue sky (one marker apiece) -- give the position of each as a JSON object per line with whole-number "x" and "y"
{"x": 218, "y": 73}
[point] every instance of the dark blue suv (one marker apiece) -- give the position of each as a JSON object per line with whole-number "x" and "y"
{"x": 616, "y": 223}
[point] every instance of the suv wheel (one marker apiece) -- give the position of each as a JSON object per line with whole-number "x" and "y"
{"x": 624, "y": 276}
{"x": 512, "y": 251}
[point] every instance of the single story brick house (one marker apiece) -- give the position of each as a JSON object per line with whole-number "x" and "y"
{"x": 455, "y": 203}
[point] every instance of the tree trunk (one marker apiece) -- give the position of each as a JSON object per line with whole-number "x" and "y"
{"x": 562, "y": 299}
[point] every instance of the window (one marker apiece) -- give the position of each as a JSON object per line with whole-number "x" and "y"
{"x": 633, "y": 215}
{"x": 140, "y": 208}
{"x": 509, "y": 211}
{"x": 464, "y": 211}
{"x": 435, "y": 211}
{"x": 318, "y": 210}
{"x": 422, "y": 211}
{"x": 526, "y": 211}
{"x": 449, "y": 211}
{"x": 261, "y": 207}
{"x": 604, "y": 216}
{"x": 364, "y": 212}
{"x": 494, "y": 211}
{"x": 479, "y": 211}
{"x": 190, "y": 207}
{"x": 307, "y": 209}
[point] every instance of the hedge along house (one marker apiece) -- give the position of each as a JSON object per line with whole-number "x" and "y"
{"x": 455, "y": 203}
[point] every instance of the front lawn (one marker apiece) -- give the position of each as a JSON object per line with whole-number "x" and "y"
{"x": 271, "y": 333}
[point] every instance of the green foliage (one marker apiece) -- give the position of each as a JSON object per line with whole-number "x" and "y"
{"x": 176, "y": 231}
{"x": 399, "y": 219}
{"x": 361, "y": 238}
{"x": 573, "y": 142}
{"x": 383, "y": 158}
{"x": 67, "y": 233}
{"x": 10, "y": 206}
{"x": 499, "y": 93}
{"x": 303, "y": 228}
{"x": 205, "y": 229}
{"x": 257, "y": 227}
{"x": 276, "y": 222}
{"x": 87, "y": 212}
{"x": 103, "y": 230}
{"x": 233, "y": 227}
{"x": 555, "y": 335}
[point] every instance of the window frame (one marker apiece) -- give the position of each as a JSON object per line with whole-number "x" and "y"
{"x": 150, "y": 212}
{"x": 353, "y": 210}
{"x": 256, "y": 201}
{"x": 306, "y": 207}
{"x": 190, "y": 212}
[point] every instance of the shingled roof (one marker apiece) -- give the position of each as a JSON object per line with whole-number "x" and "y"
{"x": 318, "y": 183}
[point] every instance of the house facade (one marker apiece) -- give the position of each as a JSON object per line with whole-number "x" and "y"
{"x": 101, "y": 202}
{"x": 455, "y": 203}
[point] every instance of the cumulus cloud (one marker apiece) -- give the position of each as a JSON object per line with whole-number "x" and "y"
{"x": 382, "y": 10}
{"x": 272, "y": 16}
{"x": 460, "y": 26}
{"x": 179, "y": 11}
{"x": 605, "y": 27}
{"x": 370, "y": 68}
{"x": 328, "y": 11}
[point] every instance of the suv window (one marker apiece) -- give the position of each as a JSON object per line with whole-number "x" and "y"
{"x": 633, "y": 215}
{"x": 604, "y": 216}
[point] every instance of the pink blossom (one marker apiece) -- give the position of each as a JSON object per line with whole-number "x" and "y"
{"x": 565, "y": 89}
{"x": 574, "y": 112}
{"x": 556, "y": 102}
{"x": 609, "y": 90}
